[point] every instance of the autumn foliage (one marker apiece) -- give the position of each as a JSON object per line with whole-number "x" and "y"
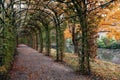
{"x": 111, "y": 24}
{"x": 67, "y": 34}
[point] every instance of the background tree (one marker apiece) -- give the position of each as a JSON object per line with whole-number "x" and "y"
{"x": 85, "y": 10}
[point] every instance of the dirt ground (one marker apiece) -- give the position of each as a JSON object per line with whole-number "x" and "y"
{"x": 31, "y": 65}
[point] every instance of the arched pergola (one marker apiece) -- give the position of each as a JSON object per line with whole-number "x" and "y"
{"x": 34, "y": 19}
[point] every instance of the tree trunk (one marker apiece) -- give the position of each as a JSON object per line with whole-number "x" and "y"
{"x": 47, "y": 41}
{"x": 85, "y": 56}
{"x": 61, "y": 44}
{"x": 33, "y": 41}
{"x": 36, "y": 41}
{"x": 74, "y": 40}
{"x": 57, "y": 44}
{"x": 41, "y": 41}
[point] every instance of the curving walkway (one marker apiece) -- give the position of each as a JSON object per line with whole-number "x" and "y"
{"x": 31, "y": 65}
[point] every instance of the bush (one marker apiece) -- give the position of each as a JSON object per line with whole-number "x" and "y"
{"x": 114, "y": 46}
{"x": 100, "y": 43}
{"x": 108, "y": 43}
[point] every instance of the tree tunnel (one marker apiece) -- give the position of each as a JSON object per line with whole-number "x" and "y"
{"x": 32, "y": 22}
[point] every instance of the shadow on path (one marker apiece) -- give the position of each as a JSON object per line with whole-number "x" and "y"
{"x": 31, "y": 65}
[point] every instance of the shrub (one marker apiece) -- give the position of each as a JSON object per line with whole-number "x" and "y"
{"x": 108, "y": 43}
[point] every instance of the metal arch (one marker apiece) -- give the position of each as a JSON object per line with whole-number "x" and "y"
{"x": 19, "y": 2}
{"x": 36, "y": 8}
{"x": 27, "y": 32}
{"x": 35, "y": 25}
{"x": 35, "y": 15}
{"x": 32, "y": 28}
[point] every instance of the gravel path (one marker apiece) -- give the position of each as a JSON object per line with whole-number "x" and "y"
{"x": 31, "y": 65}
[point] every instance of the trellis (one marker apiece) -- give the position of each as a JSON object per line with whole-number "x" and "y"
{"x": 32, "y": 19}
